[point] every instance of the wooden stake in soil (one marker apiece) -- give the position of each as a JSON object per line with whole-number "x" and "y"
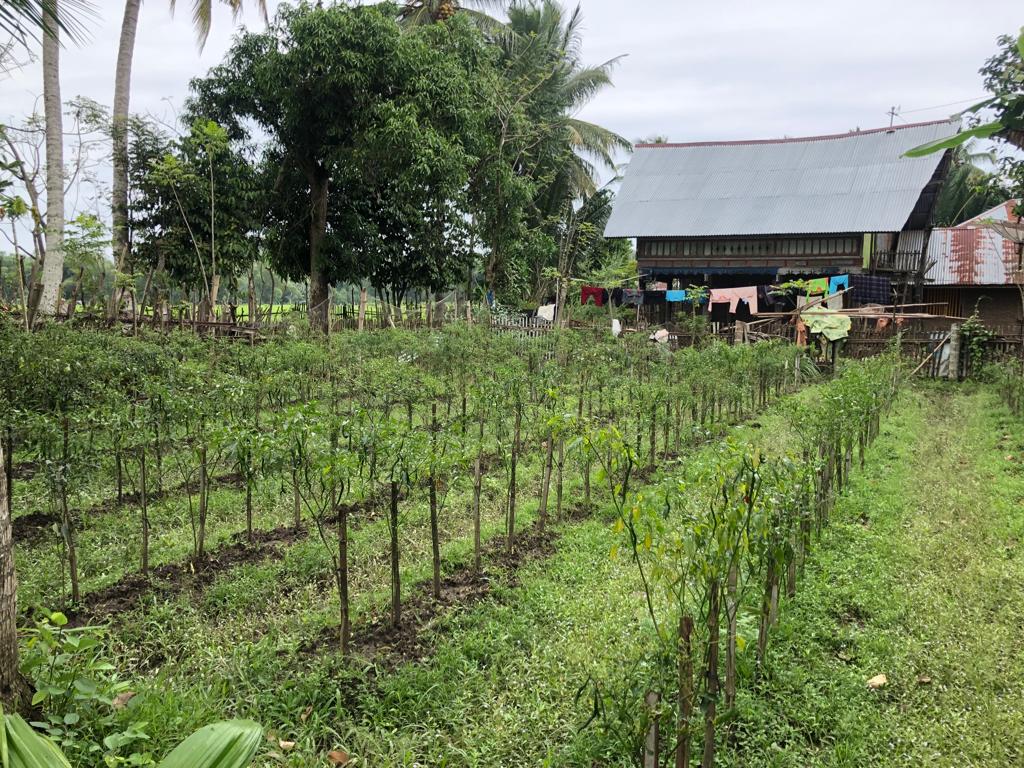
{"x": 510, "y": 544}
{"x": 396, "y": 576}
{"x": 477, "y": 486}
{"x": 711, "y": 673}
{"x": 651, "y": 743}
{"x": 685, "y": 657}
{"x": 143, "y": 490}
{"x": 435, "y": 541}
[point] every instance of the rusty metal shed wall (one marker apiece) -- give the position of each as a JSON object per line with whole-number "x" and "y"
{"x": 854, "y": 182}
{"x": 969, "y": 254}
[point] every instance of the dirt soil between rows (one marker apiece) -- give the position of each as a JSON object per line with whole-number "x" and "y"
{"x": 412, "y": 640}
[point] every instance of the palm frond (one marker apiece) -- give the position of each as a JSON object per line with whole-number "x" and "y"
{"x": 583, "y": 84}
{"x": 572, "y": 35}
{"x": 202, "y": 15}
{"x": 26, "y": 20}
{"x": 595, "y": 140}
{"x": 484, "y": 22}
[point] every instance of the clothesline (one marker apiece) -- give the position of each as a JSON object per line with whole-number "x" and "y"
{"x": 743, "y": 303}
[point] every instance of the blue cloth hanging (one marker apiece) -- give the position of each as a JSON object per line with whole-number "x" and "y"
{"x": 675, "y": 296}
{"x": 838, "y": 282}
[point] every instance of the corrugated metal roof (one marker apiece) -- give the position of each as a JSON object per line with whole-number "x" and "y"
{"x": 851, "y": 182}
{"x": 969, "y": 254}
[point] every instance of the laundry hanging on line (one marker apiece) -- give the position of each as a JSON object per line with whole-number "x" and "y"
{"x": 832, "y": 325}
{"x": 733, "y": 295}
{"x": 720, "y": 312}
{"x": 744, "y": 313}
{"x": 871, "y": 289}
{"x": 817, "y": 285}
{"x": 591, "y": 293}
{"x": 838, "y": 283}
{"x": 632, "y": 297}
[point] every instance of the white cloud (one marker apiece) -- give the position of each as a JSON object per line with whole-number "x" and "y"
{"x": 693, "y": 70}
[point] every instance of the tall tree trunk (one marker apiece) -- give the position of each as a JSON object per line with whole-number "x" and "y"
{"x": 53, "y": 264}
{"x": 253, "y": 307}
{"x": 122, "y": 93}
{"x": 319, "y": 288}
{"x": 361, "y": 319}
{"x": 396, "y": 576}
{"x": 13, "y": 690}
{"x": 8, "y": 453}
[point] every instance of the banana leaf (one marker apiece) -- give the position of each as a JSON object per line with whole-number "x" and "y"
{"x": 22, "y": 747}
{"x": 228, "y": 744}
{"x": 983, "y": 131}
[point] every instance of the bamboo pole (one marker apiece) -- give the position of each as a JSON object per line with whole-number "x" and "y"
{"x": 939, "y": 346}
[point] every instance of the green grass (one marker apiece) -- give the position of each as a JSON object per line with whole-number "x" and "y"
{"x": 497, "y": 687}
{"x": 921, "y": 573}
{"x": 921, "y": 578}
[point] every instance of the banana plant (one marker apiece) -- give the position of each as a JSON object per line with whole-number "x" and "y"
{"x": 227, "y": 744}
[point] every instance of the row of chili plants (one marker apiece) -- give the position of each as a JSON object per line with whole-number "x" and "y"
{"x": 718, "y": 543}
{"x": 362, "y": 425}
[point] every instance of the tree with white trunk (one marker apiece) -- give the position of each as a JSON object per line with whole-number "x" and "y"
{"x": 202, "y": 14}
{"x": 53, "y": 263}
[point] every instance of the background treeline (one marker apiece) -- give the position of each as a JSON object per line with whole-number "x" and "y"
{"x": 398, "y": 147}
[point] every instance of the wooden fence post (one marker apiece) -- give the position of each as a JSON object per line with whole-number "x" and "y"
{"x": 953, "y": 371}
{"x": 740, "y": 331}
{"x": 651, "y": 744}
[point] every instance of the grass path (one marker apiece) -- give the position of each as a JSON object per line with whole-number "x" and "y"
{"x": 920, "y": 578}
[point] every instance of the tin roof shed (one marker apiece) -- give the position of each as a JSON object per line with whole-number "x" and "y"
{"x": 973, "y": 254}
{"x": 842, "y": 183}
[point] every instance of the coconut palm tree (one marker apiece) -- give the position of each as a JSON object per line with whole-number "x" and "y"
{"x": 202, "y": 15}
{"x": 541, "y": 61}
{"x": 543, "y": 37}
{"x": 969, "y": 189}
{"x": 417, "y": 13}
{"x": 48, "y": 301}
{"x": 543, "y": 48}
{"x": 25, "y": 21}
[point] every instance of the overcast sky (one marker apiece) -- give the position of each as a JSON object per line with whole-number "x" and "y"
{"x": 713, "y": 69}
